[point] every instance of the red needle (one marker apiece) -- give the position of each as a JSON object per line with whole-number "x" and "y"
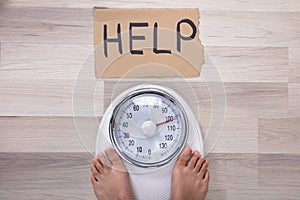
{"x": 161, "y": 123}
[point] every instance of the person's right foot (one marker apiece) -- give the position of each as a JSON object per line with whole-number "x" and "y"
{"x": 190, "y": 177}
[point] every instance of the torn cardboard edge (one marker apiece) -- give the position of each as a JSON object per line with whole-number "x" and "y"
{"x": 147, "y": 42}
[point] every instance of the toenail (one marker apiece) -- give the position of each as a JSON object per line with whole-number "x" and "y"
{"x": 109, "y": 152}
{"x": 186, "y": 153}
{"x": 196, "y": 152}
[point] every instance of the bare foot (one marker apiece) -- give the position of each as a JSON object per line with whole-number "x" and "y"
{"x": 190, "y": 177}
{"x": 110, "y": 179}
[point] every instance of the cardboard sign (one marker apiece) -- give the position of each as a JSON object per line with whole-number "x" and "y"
{"x": 147, "y": 42}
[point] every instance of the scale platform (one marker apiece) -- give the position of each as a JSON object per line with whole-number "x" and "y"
{"x": 149, "y": 125}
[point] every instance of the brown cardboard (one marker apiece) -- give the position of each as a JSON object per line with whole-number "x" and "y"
{"x": 165, "y": 51}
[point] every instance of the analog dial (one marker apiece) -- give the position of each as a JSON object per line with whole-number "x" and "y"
{"x": 148, "y": 128}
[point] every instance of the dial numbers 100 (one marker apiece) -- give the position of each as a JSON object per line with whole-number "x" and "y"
{"x": 148, "y": 128}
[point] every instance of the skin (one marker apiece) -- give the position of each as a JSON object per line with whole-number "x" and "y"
{"x": 190, "y": 177}
{"x": 110, "y": 178}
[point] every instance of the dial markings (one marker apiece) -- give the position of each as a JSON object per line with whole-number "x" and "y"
{"x": 164, "y": 140}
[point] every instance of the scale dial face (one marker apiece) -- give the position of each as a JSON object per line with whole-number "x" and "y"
{"x": 148, "y": 128}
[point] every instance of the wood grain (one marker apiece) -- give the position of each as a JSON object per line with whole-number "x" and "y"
{"x": 256, "y": 100}
{"x": 43, "y": 61}
{"x": 233, "y": 172}
{"x": 239, "y": 135}
{"x": 254, "y": 45}
{"x": 237, "y": 28}
{"x": 250, "y": 64}
{"x": 266, "y": 100}
{"x": 47, "y": 134}
{"x": 294, "y": 65}
{"x": 45, "y": 176}
{"x": 294, "y": 100}
{"x": 278, "y": 176}
{"x": 46, "y": 25}
{"x": 57, "y": 174}
{"x": 279, "y": 135}
{"x": 37, "y": 97}
{"x": 251, "y": 29}
{"x": 229, "y": 5}
{"x": 235, "y": 64}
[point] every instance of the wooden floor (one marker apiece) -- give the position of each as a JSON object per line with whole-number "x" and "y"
{"x": 255, "y": 46}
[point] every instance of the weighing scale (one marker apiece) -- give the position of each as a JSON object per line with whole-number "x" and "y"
{"x": 149, "y": 125}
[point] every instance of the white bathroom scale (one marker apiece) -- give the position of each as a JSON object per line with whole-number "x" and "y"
{"x": 149, "y": 125}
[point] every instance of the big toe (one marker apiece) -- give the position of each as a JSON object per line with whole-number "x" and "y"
{"x": 115, "y": 159}
{"x": 184, "y": 157}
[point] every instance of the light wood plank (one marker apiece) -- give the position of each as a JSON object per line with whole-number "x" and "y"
{"x": 256, "y": 100}
{"x": 43, "y": 61}
{"x": 250, "y": 64}
{"x": 294, "y": 100}
{"x": 235, "y": 64}
{"x": 216, "y": 194}
{"x": 278, "y": 177}
{"x": 44, "y": 25}
{"x": 253, "y": 29}
{"x": 229, "y": 5}
{"x": 0, "y": 53}
{"x": 44, "y": 43}
{"x": 43, "y": 173}
{"x": 76, "y": 193}
{"x": 279, "y": 135}
{"x": 45, "y": 176}
{"x": 40, "y": 174}
{"x": 294, "y": 64}
{"x": 239, "y": 135}
{"x": 32, "y": 134}
{"x": 265, "y": 100}
{"x": 243, "y": 194}
{"x": 38, "y": 97}
{"x": 233, "y": 172}
{"x": 59, "y": 134}
{"x": 48, "y": 134}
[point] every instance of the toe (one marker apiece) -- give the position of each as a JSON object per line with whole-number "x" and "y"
{"x": 203, "y": 169}
{"x": 95, "y": 172}
{"x": 184, "y": 157}
{"x": 206, "y": 177}
{"x": 94, "y": 180}
{"x": 97, "y": 164}
{"x": 199, "y": 164}
{"x": 193, "y": 160}
{"x": 114, "y": 158}
{"x": 103, "y": 160}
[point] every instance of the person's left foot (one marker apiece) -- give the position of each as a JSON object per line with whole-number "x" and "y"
{"x": 190, "y": 176}
{"x": 110, "y": 178}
